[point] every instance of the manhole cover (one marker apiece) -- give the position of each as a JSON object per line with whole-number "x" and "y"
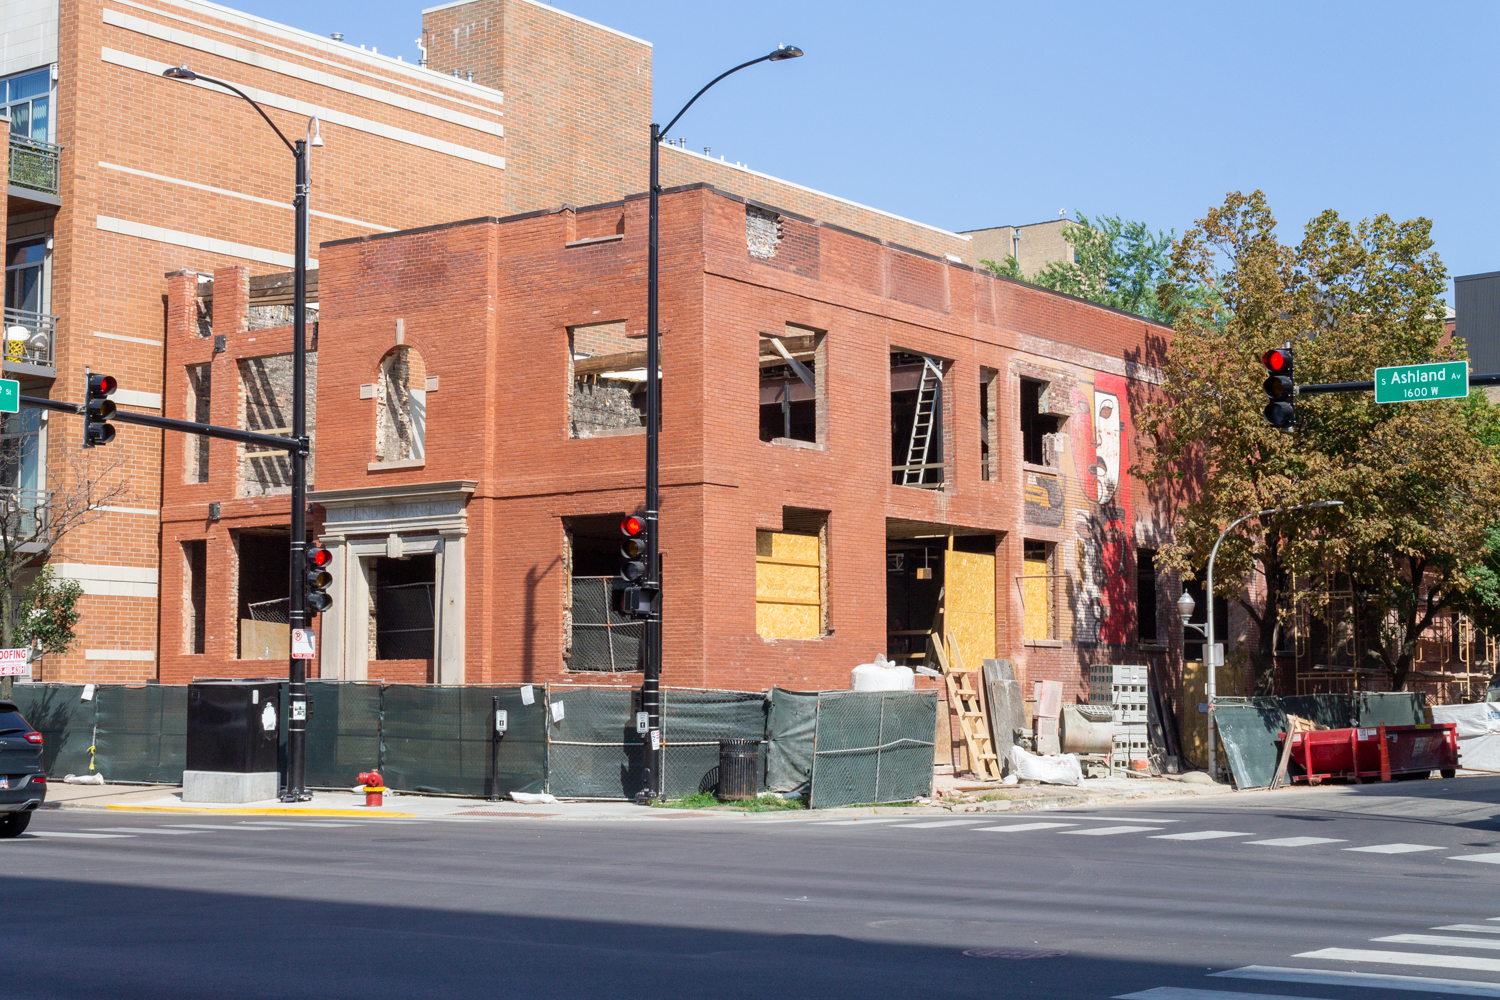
{"x": 1012, "y": 953}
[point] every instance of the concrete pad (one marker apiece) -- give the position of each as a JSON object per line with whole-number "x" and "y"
{"x": 229, "y": 787}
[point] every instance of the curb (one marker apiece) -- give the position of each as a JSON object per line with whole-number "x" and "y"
{"x": 264, "y": 811}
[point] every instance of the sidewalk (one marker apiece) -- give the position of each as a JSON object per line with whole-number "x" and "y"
{"x": 950, "y": 796}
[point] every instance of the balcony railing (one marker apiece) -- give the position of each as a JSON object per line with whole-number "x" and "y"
{"x": 28, "y": 340}
{"x": 23, "y": 517}
{"x": 33, "y": 164}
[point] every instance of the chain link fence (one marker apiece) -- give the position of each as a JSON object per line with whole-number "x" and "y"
{"x": 872, "y": 747}
{"x": 602, "y": 640}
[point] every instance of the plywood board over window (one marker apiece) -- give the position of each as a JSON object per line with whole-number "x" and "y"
{"x": 969, "y": 605}
{"x": 788, "y": 585}
{"x": 1036, "y": 590}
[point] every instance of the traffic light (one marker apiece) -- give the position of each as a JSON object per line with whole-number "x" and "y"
{"x": 1280, "y": 387}
{"x": 97, "y": 408}
{"x": 318, "y": 560}
{"x": 634, "y": 597}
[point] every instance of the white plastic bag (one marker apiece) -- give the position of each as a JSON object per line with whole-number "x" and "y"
{"x": 882, "y": 675}
{"x": 532, "y": 798}
{"x": 1055, "y": 769}
{"x": 84, "y": 779}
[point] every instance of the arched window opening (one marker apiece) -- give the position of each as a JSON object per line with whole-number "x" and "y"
{"x": 401, "y": 407}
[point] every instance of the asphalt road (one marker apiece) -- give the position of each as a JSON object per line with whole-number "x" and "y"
{"x": 1301, "y": 894}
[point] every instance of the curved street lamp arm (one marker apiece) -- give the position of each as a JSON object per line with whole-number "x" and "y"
{"x": 710, "y": 83}
{"x": 232, "y": 88}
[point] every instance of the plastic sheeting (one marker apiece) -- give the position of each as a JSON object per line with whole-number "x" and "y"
{"x": 142, "y": 733}
{"x": 66, "y": 723}
{"x": 438, "y": 739}
{"x": 1052, "y": 769}
{"x": 1336, "y": 711}
{"x": 1248, "y": 729}
{"x": 594, "y": 752}
{"x": 872, "y": 747}
{"x": 790, "y": 730}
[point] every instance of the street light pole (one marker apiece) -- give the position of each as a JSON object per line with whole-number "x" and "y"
{"x": 296, "y": 727}
{"x": 1211, "y": 687}
{"x": 652, "y": 658}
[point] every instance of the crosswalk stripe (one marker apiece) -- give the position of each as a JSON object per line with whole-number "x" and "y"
{"x": 141, "y": 829}
{"x": 865, "y": 822}
{"x": 1472, "y": 928}
{"x": 1365, "y": 980}
{"x": 1486, "y": 859}
{"x": 1297, "y": 841}
{"x": 938, "y": 822}
{"x": 80, "y": 836}
{"x": 1201, "y": 835}
{"x": 1021, "y": 827}
{"x": 1404, "y": 958}
{"x": 1441, "y": 941}
{"x": 1121, "y": 819}
{"x": 1393, "y": 848}
{"x": 1183, "y": 993}
{"x": 1108, "y": 831}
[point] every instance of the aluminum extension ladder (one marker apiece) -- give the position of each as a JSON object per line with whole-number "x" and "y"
{"x": 920, "y": 444}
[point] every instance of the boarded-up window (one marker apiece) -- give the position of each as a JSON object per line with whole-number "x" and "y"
{"x": 969, "y": 599}
{"x": 789, "y": 588}
{"x": 1037, "y": 591}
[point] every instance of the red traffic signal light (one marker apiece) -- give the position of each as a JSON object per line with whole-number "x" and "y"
{"x": 632, "y": 526}
{"x": 1280, "y": 388}
{"x": 319, "y": 579}
{"x": 1278, "y": 360}
{"x": 97, "y": 409}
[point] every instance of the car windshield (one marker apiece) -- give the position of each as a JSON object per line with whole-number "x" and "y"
{"x": 11, "y": 722}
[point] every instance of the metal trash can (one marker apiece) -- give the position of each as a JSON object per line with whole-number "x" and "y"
{"x": 739, "y": 769}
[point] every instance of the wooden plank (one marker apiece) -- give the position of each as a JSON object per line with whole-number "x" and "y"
{"x": 601, "y": 363}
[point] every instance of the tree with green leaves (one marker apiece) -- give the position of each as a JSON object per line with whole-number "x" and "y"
{"x": 49, "y": 613}
{"x": 1116, "y": 262}
{"x": 1418, "y": 485}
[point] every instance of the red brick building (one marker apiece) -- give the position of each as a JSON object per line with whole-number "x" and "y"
{"x": 479, "y": 437}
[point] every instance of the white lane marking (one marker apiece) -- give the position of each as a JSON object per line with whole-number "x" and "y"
{"x": 867, "y": 822}
{"x": 1404, "y": 958}
{"x": 1297, "y": 841}
{"x": 1393, "y": 848}
{"x": 1486, "y": 859}
{"x": 1021, "y": 827}
{"x": 80, "y": 836}
{"x": 1183, "y": 993}
{"x": 1440, "y": 941}
{"x": 1201, "y": 835}
{"x": 1107, "y": 831}
{"x": 1472, "y": 928}
{"x": 1367, "y": 980}
{"x": 141, "y": 829}
{"x": 940, "y": 822}
{"x": 1123, "y": 819}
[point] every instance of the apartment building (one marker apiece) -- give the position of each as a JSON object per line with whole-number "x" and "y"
{"x": 863, "y": 444}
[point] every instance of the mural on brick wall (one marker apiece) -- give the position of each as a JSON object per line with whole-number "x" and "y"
{"x": 1101, "y": 596}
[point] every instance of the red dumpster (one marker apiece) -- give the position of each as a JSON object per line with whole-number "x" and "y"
{"x": 1380, "y": 753}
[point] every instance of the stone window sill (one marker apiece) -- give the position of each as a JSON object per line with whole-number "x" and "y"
{"x": 1050, "y": 470}
{"x": 405, "y": 463}
{"x": 797, "y": 443}
{"x": 1045, "y": 643}
{"x": 1155, "y": 647}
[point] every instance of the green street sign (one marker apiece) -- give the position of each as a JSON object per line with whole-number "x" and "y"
{"x": 1410, "y": 383}
{"x": 10, "y": 396}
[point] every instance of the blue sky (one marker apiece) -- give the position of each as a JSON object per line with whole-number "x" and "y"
{"x": 966, "y": 115}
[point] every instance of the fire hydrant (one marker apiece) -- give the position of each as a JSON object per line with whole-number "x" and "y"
{"x": 374, "y": 788}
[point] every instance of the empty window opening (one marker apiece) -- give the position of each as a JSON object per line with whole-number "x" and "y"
{"x": 607, "y": 377}
{"x": 401, "y": 407}
{"x": 199, "y": 403}
{"x": 792, "y": 386}
{"x": 194, "y": 595}
{"x": 596, "y": 637}
{"x": 1039, "y": 589}
{"x": 1039, "y": 427}
{"x": 791, "y": 577}
{"x": 917, "y": 421}
{"x": 266, "y": 407}
{"x": 988, "y": 437}
{"x": 402, "y": 611}
{"x": 1145, "y": 595}
{"x": 264, "y": 570}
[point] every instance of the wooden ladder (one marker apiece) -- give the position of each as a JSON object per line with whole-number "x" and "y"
{"x": 966, "y": 696}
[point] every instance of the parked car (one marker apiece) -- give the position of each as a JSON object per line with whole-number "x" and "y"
{"x": 23, "y": 786}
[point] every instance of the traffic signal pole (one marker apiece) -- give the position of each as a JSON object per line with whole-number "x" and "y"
{"x": 651, "y": 653}
{"x": 296, "y": 716}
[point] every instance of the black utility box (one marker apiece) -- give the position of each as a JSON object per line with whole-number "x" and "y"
{"x": 233, "y": 726}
